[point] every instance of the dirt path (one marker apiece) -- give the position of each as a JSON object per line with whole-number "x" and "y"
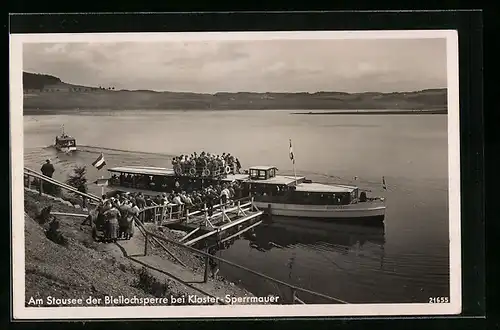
{"x": 163, "y": 269}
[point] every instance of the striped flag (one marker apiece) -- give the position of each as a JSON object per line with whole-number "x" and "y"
{"x": 99, "y": 162}
{"x": 291, "y": 152}
{"x": 383, "y": 183}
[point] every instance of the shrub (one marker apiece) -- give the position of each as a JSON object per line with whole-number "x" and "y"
{"x": 149, "y": 284}
{"x": 55, "y": 235}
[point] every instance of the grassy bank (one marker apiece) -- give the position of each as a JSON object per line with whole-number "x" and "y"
{"x": 83, "y": 267}
{"x": 80, "y": 268}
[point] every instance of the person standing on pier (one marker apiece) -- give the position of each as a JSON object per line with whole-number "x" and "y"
{"x": 48, "y": 170}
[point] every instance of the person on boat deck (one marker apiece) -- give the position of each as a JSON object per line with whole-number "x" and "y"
{"x": 232, "y": 192}
{"x": 189, "y": 201}
{"x": 177, "y": 200}
{"x": 139, "y": 201}
{"x": 238, "y": 165}
{"x": 225, "y": 195}
{"x": 47, "y": 169}
{"x": 197, "y": 199}
{"x": 177, "y": 186}
{"x": 223, "y": 159}
{"x": 182, "y": 195}
{"x": 164, "y": 198}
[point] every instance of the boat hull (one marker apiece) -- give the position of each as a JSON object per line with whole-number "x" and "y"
{"x": 368, "y": 210}
{"x": 66, "y": 149}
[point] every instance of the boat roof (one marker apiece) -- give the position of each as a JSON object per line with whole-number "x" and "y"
{"x": 324, "y": 188}
{"x": 262, "y": 167}
{"x": 235, "y": 177}
{"x": 277, "y": 180}
{"x": 143, "y": 170}
{"x": 65, "y": 137}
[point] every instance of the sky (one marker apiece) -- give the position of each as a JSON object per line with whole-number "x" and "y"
{"x": 345, "y": 65}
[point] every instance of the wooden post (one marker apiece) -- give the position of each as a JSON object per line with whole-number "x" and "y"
{"x": 29, "y": 181}
{"x": 41, "y": 187}
{"x": 207, "y": 268}
{"x": 146, "y": 243}
{"x": 293, "y": 296}
{"x": 206, "y": 214}
{"x": 154, "y": 216}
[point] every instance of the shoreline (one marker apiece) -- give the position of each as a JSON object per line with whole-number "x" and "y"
{"x": 39, "y": 112}
{"x": 376, "y": 112}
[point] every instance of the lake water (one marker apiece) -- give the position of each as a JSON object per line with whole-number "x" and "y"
{"x": 407, "y": 260}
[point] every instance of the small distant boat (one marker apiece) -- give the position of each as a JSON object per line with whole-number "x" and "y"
{"x": 65, "y": 143}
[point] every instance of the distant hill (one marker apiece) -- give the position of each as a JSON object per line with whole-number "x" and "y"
{"x": 45, "y": 92}
{"x": 38, "y": 81}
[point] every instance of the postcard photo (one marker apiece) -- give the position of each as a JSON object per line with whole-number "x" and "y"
{"x": 235, "y": 174}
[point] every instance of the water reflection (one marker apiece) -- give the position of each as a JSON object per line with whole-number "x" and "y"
{"x": 293, "y": 250}
{"x": 284, "y": 233}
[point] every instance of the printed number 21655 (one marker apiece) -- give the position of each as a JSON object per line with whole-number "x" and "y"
{"x": 438, "y": 300}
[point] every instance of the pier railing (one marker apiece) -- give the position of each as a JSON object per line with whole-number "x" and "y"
{"x": 170, "y": 213}
{"x": 156, "y": 239}
{"x": 33, "y": 179}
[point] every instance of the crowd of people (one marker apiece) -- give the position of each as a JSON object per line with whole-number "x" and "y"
{"x": 206, "y": 164}
{"x": 116, "y": 214}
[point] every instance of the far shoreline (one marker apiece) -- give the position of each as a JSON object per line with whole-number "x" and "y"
{"x": 36, "y": 112}
{"x": 376, "y": 112}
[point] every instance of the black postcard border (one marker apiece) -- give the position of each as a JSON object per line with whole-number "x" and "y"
{"x": 469, "y": 26}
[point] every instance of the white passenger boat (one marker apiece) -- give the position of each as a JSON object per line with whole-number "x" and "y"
{"x": 278, "y": 194}
{"x": 298, "y": 197}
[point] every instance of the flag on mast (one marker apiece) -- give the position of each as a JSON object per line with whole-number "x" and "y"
{"x": 291, "y": 152}
{"x": 99, "y": 162}
{"x": 383, "y": 183}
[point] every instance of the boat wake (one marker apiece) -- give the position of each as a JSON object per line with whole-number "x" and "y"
{"x": 116, "y": 152}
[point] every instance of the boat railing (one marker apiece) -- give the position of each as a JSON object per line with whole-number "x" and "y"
{"x": 209, "y": 171}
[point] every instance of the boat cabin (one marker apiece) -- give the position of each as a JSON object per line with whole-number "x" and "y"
{"x": 65, "y": 141}
{"x": 266, "y": 186}
{"x": 262, "y": 172}
{"x": 141, "y": 178}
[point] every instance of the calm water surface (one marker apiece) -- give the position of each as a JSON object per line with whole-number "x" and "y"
{"x": 407, "y": 260}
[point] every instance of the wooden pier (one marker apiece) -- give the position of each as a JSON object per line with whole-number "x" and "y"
{"x": 222, "y": 220}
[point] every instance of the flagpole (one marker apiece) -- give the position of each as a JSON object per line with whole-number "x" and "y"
{"x": 294, "y": 173}
{"x": 102, "y": 187}
{"x": 292, "y": 157}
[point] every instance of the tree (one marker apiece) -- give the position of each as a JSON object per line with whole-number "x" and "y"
{"x": 78, "y": 179}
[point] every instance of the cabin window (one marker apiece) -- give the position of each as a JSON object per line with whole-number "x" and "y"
{"x": 258, "y": 174}
{"x": 254, "y": 174}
